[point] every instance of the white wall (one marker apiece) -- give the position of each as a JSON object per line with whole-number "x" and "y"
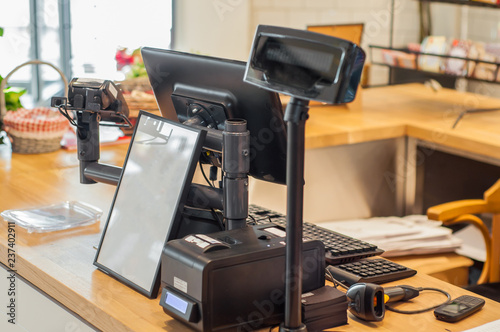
{"x": 225, "y": 28}
{"x": 375, "y": 14}
{"x": 213, "y": 27}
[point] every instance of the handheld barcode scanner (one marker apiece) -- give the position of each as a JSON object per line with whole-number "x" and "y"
{"x": 367, "y": 301}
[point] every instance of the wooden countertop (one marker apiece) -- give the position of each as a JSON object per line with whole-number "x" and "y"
{"x": 60, "y": 263}
{"x": 411, "y": 110}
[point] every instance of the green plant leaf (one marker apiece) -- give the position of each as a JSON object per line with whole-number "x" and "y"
{"x": 1, "y": 31}
{"x": 12, "y": 95}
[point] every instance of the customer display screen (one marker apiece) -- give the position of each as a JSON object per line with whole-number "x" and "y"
{"x": 323, "y": 61}
{"x": 176, "y": 302}
{"x": 147, "y": 206}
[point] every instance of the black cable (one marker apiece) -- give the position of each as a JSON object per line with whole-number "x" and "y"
{"x": 336, "y": 283}
{"x": 329, "y": 276}
{"x": 204, "y": 175}
{"x": 411, "y": 312}
{"x": 273, "y": 327}
{"x": 213, "y": 174}
{"x": 253, "y": 222}
{"x": 216, "y": 216}
{"x": 64, "y": 112}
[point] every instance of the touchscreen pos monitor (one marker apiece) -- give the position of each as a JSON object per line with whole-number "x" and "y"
{"x": 146, "y": 209}
{"x": 187, "y": 85}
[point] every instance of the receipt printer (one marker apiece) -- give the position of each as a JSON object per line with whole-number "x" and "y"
{"x": 233, "y": 280}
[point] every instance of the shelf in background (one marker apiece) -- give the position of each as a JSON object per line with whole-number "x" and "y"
{"x": 414, "y": 65}
{"x": 465, "y": 3}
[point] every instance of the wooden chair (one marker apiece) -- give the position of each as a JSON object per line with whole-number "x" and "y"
{"x": 465, "y": 211}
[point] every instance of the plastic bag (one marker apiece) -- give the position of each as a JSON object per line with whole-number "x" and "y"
{"x": 54, "y": 217}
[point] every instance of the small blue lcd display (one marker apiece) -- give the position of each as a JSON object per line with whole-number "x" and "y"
{"x": 176, "y": 302}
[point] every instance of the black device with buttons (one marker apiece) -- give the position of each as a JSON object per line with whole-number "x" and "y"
{"x": 376, "y": 271}
{"x": 459, "y": 308}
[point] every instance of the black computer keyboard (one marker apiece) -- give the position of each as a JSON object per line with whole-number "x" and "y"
{"x": 346, "y": 256}
{"x": 339, "y": 248}
{"x": 375, "y": 270}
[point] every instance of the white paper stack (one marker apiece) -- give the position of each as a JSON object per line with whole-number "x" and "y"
{"x": 399, "y": 236}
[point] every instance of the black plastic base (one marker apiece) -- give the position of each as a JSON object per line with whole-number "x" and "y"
{"x": 302, "y": 328}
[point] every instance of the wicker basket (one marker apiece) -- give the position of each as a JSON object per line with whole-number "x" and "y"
{"x": 33, "y": 131}
{"x": 136, "y": 94}
{"x": 140, "y": 101}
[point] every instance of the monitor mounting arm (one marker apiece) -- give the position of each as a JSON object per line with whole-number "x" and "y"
{"x": 232, "y": 139}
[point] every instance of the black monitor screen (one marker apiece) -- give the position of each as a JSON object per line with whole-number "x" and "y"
{"x": 183, "y": 83}
{"x": 148, "y": 201}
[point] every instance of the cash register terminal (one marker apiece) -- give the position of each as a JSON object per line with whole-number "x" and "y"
{"x": 226, "y": 114}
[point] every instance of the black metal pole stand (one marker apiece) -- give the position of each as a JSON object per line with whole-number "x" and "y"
{"x": 235, "y": 168}
{"x": 295, "y": 117}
